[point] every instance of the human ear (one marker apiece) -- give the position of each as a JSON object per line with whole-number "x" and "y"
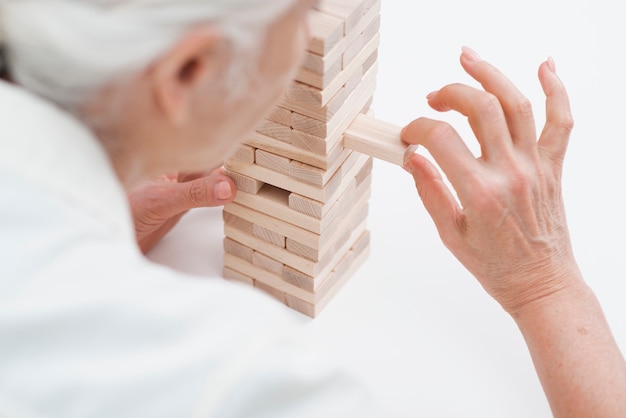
{"x": 178, "y": 75}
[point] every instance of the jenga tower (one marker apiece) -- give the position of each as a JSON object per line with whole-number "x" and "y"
{"x": 297, "y": 228}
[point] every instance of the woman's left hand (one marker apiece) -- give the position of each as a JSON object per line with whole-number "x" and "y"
{"x": 159, "y": 204}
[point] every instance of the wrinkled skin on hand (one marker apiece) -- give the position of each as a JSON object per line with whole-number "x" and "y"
{"x": 506, "y": 222}
{"x": 158, "y": 205}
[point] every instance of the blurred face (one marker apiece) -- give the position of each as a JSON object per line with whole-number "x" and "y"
{"x": 227, "y": 122}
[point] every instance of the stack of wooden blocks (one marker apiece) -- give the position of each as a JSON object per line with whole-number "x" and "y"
{"x": 297, "y": 228}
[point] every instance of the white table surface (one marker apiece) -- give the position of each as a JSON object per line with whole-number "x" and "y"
{"x": 412, "y": 321}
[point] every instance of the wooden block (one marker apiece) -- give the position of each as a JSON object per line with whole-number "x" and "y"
{"x": 352, "y": 51}
{"x": 295, "y": 98}
{"x": 313, "y": 282}
{"x": 326, "y": 31}
{"x": 235, "y": 276}
{"x": 281, "y": 116}
{"x": 321, "y": 63}
{"x": 277, "y": 253}
{"x": 237, "y": 223}
{"x": 274, "y": 201}
{"x": 315, "y": 175}
{"x": 350, "y": 11}
{"x": 245, "y": 183}
{"x": 238, "y": 249}
{"x": 327, "y": 92}
{"x": 270, "y": 290}
{"x": 328, "y": 193}
{"x": 317, "y": 79}
{"x": 353, "y": 262}
{"x": 337, "y": 126}
{"x": 269, "y": 236}
{"x": 273, "y": 281}
{"x": 318, "y": 209}
{"x": 272, "y": 161}
{"x": 279, "y": 226}
{"x": 244, "y": 154}
{"x": 336, "y": 280}
{"x": 283, "y": 181}
{"x": 378, "y": 139}
{"x": 275, "y": 130}
{"x": 334, "y": 237}
{"x": 290, "y": 259}
{"x": 267, "y": 263}
{"x": 266, "y": 143}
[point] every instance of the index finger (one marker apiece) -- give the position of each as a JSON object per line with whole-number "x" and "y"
{"x": 446, "y": 147}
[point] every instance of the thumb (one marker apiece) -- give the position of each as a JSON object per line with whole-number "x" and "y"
{"x": 215, "y": 189}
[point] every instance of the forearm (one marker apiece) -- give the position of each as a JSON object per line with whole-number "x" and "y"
{"x": 576, "y": 357}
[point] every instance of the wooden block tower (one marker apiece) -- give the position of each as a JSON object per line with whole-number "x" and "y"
{"x": 297, "y": 228}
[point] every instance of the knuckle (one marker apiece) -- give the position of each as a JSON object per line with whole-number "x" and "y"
{"x": 523, "y": 108}
{"x": 490, "y": 106}
{"x": 197, "y": 192}
{"x": 565, "y": 124}
{"x": 440, "y": 131}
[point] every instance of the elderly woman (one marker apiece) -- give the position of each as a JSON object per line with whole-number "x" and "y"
{"x": 101, "y": 96}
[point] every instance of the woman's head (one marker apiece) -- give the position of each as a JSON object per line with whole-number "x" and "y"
{"x": 166, "y": 84}
{"x": 64, "y": 50}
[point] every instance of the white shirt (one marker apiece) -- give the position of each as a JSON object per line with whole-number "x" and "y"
{"x": 90, "y": 328}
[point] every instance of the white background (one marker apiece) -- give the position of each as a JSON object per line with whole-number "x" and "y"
{"x": 412, "y": 321}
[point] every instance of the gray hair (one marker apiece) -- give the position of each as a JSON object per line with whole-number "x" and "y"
{"x": 65, "y": 50}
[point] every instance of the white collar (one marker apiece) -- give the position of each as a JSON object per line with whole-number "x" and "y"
{"x": 41, "y": 142}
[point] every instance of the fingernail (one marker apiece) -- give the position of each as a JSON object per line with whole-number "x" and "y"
{"x": 222, "y": 190}
{"x": 551, "y": 65}
{"x": 470, "y": 54}
{"x": 431, "y": 94}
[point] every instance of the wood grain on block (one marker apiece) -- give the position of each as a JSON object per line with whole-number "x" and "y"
{"x": 349, "y": 11}
{"x": 275, "y": 130}
{"x": 244, "y": 154}
{"x": 272, "y": 161}
{"x": 312, "y": 282}
{"x": 266, "y": 277}
{"x": 321, "y": 63}
{"x": 315, "y": 270}
{"x": 277, "y": 253}
{"x": 337, "y": 126}
{"x": 317, "y": 79}
{"x": 273, "y": 224}
{"x": 326, "y": 31}
{"x": 266, "y": 143}
{"x": 281, "y": 116}
{"x": 378, "y": 139}
{"x": 238, "y": 249}
{"x": 274, "y": 201}
{"x": 275, "y": 285}
{"x": 318, "y": 209}
{"x": 283, "y": 181}
{"x": 333, "y": 238}
{"x": 245, "y": 183}
{"x": 353, "y": 50}
{"x": 315, "y": 175}
{"x": 354, "y": 261}
{"x": 238, "y": 223}
{"x": 362, "y": 81}
{"x": 328, "y": 88}
{"x": 267, "y": 263}
{"x": 271, "y": 237}
{"x": 329, "y": 192}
